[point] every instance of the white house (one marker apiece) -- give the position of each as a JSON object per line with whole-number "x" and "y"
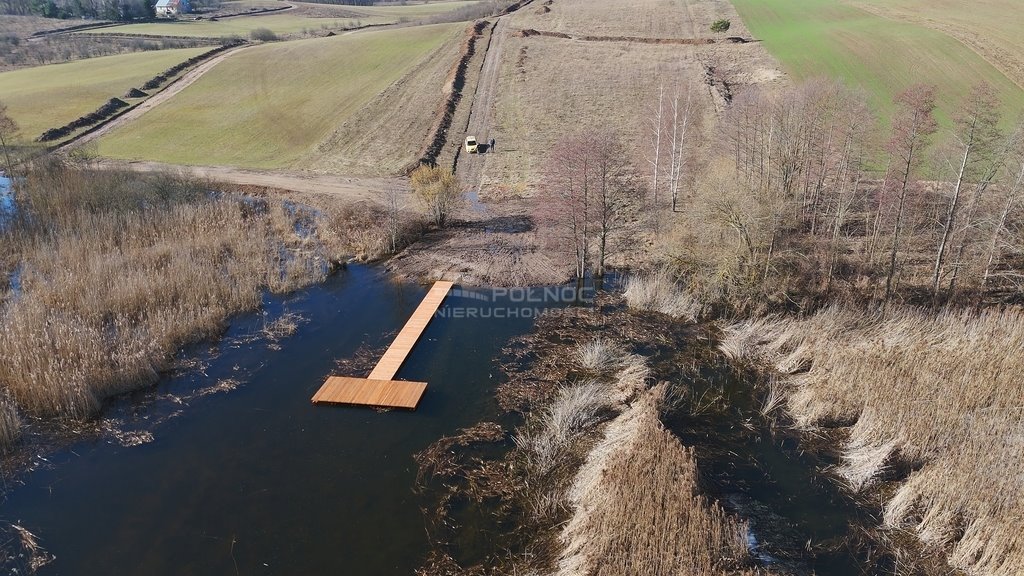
{"x": 169, "y": 8}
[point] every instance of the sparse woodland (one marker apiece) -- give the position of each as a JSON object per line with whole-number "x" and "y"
{"x": 870, "y": 272}
{"x": 797, "y": 202}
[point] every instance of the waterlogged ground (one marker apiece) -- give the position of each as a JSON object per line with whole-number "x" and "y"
{"x": 236, "y": 472}
{"x": 226, "y": 468}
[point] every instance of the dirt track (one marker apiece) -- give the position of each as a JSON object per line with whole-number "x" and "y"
{"x": 494, "y": 243}
{"x": 352, "y": 189}
{"x": 469, "y": 166}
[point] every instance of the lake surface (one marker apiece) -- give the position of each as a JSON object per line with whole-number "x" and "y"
{"x": 257, "y": 480}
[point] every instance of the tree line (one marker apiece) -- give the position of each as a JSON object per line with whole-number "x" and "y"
{"x": 792, "y": 198}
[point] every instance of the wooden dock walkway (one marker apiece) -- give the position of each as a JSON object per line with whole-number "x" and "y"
{"x": 380, "y": 389}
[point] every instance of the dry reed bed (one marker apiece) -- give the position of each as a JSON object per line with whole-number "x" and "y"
{"x": 637, "y": 508}
{"x": 941, "y": 394}
{"x": 119, "y": 272}
{"x": 659, "y": 291}
{"x": 629, "y": 486}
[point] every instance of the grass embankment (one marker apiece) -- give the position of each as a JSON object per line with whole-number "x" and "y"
{"x": 307, "y": 18}
{"x": 46, "y": 97}
{"x": 114, "y": 272}
{"x": 836, "y": 39}
{"x": 363, "y": 102}
{"x": 932, "y": 401}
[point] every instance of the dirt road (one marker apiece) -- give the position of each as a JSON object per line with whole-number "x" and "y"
{"x": 470, "y": 167}
{"x": 494, "y": 243}
{"x": 353, "y": 189}
{"x": 182, "y": 82}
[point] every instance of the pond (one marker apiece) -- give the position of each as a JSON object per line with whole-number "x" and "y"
{"x": 257, "y": 480}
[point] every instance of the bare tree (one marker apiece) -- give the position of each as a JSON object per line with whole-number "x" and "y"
{"x": 616, "y": 191}
{"x": 563, "y": 206}
{"x": 393, "y": 205}
{"x": 976, "y": 134}
{"x": 1011, "y": 202}
{"x": 657, "y": 122}
{"x": 589, "y": 196}
{"x": 684, "y": 119}
{"x": 912, "y": 129}
{"x": 8, "y": 129}
{"x": 438, "y": 190}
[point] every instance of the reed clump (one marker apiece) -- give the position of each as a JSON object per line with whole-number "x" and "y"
{"x": 936, "y": 395}
{"x": 637, "y": 509}
{"x": 618, "y": 492}
{"x": 118, "y": 271}
{"x": 659, "y": 291}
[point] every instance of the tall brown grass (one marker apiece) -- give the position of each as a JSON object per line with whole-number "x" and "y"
{"x": 659, "y": 291}
{"x": 637, "y": 509}
{"x": 937, "y": 394}
{"x": 119, "y": 271}
{"x": 620, "y": 489}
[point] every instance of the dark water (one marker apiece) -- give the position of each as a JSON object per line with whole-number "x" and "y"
{"x": 6, "y": 200}
{"x": 257, "y": 480}
{"x": 801, "y": 520}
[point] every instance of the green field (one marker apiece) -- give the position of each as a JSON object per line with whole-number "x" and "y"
{"x": 881, "y": 55}
{"x": 270, "y": 106}
{"x": 50, "y": 96}
{"x": 280, "y": 24}
{"x": 992, "y": 28}
{"x": 289, "y": 22}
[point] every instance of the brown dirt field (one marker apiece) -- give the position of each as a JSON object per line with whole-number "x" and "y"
{"x": 642, "y": 18}
{"x": 548, "y": 84}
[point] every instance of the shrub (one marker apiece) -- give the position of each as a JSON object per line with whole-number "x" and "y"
{"x": 720, "y": 26}
{"x": 263, "y": 35}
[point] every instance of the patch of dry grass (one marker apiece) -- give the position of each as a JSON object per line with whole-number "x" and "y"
{"x": 118, "y": 271}
{"x": 941, "y": 394}
{"x": 548, "y": 86}
{"x": 659, "y": 291}
{"x": 637, "y": 508}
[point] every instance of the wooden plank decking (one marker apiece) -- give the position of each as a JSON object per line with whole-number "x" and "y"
{"x": 365, "y": 392}
{"x": 392, "y": 360}
{"x": 380, "y": 389}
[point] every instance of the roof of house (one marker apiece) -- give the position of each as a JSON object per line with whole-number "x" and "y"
{"x": 165, "y": 3}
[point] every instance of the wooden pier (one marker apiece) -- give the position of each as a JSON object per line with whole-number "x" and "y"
{"x": 380, "y": 389}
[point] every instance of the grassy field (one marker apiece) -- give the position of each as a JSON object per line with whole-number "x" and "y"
{"x": 306, "y": 18}
{"x": 991, "y": 28}
{"x": 50, "y": 96}
{"x": 280, "y": 24}
{"x": 306, "y": 101}
{"x": 833, "y": 38}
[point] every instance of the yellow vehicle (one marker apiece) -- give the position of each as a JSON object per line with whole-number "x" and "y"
{"x": 471, "y": 144}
